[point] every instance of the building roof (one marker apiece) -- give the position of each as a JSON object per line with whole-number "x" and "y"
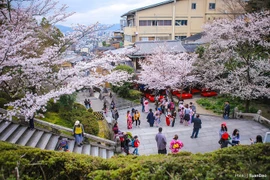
{"x": 144, "y": 48}
{"x": 147, "y": 7}
{"x": 194, "y": 37}
{"x": 191, "y": 47}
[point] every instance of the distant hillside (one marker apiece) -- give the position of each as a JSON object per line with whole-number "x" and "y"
{"x": 65, "y": 29}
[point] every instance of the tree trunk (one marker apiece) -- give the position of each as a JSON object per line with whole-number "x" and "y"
{"x": 247, "y": 106}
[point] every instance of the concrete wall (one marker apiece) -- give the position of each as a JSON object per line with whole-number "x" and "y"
{"x": 183, "y": 11}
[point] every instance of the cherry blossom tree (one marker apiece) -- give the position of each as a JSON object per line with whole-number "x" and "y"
{"x": 30, "y": 73}
{"x": 166, "y": 69}
{"x": 236, "y": 61}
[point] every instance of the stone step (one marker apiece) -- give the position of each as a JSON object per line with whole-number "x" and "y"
{"x": 25, "y": 137}
{"x": 110, "y": 154}
{"x": 78, "y": 149}
{"x": 71, "y": 145}
{"x": 53, "y": 142}
{"x": 94, "y": 151}
{"x": 86, "y": 149}
{"x": 4, "y": 125}
{"x": 103, "y": 153}
{"x": 44, "y": 140}
{"x": 17, "y": 134}
{"x": 33, "y": 141}
{"x": 8, "y": 131}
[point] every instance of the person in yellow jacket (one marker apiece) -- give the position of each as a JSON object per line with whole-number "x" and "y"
{"x": 137, "y": 118}
{"x": 78, "y": 132}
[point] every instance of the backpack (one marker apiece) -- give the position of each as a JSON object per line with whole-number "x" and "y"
{"x": 132, "y": 142}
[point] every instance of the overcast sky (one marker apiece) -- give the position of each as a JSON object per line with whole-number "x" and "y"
{"x": 102, "y": 11}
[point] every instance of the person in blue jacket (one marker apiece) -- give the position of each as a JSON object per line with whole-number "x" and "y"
{"x": 150, "y": 118}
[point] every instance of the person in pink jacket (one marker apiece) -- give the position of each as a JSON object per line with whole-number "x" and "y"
{"x": 176, "y": 145}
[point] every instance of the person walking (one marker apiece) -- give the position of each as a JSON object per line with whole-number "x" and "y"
{"x": 181, "y": 109}
{"x": 137, "y": 118}
{"x": 78, "y": 132}
{"x": 235, "y": 137}
{"x": 223, "y": 129}
{"x": 157, "y": 117}
{"x": 136, "y": 145}
{"x": 116, "y": 114}
{"x": 146, "y": 106}
{"x": 173, "y": 118}
{"x": 193, "y": 108}
{"x": 186, "y": 115}
{"x": 176, "y": 145}
{"x": 197, "y": 125}
{"x": 132, "y": 114}
{"x": 142, "y": 103}
{"x": 226, "y": 110}
{"x": 150, "y": 118}
{"x": 161, "y": 142}
{"x": 129, "y": 120}
{"x": 86, "y": 103}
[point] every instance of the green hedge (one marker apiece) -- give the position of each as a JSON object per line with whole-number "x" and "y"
{"x": 67, "y": 118}
{"x": 222, "y": 164}
{"x": 216, "y": 104}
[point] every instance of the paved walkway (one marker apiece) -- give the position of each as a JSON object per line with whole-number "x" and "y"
{"x": 208, "y": 137}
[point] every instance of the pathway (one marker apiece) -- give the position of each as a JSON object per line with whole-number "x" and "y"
{"x": 207, "y": 140}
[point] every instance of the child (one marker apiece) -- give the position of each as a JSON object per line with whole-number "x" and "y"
{"x": 176, "y": 145}
{"x": 63, "y": 144}
{"x": 137, "y": 118}
{"x": 136, "y": 145}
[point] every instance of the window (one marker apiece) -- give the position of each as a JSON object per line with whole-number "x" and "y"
{"x": 144, "y": 39}
{"x": 128, "y": 38}
{"x": 212, "y": 5}
{"x": 193, "y": 6}
{"x": 179, "y": 37}
{"x": 181, "y": 22}
{"x": 155, "y": 23}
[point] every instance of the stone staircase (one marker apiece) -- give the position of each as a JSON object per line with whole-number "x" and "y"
{"x": 20, "y": 134}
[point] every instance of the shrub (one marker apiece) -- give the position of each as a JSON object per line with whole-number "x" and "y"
{"x": 53, "y": 107}
{"x": 3, "y": 101}
{"x": 222, "y": 164}
{"x": 135, "y": 94}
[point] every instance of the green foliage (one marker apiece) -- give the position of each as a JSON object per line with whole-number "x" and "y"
{"x": 217, "y": 104}
{"x": 58, "y": 113}
{"x": 66, "y": 101}
{"x": 222, "y": 164}
{"x": 126, "y": 68}
{"x": 122, "y": 91}
{"x": 257, "y": 5}
{"x": 3, "y": 101}
{"x": 135, "y": 94}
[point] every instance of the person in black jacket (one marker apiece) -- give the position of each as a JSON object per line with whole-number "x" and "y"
{"x": 197, "y": 126}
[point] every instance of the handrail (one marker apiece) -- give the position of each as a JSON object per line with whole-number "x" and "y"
{"x": 255, "y": 116}
{"x": 58, "y": 127}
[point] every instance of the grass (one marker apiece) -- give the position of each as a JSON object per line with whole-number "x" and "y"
{"x": 54, "y": 118}
{"x": 216, "y": 104}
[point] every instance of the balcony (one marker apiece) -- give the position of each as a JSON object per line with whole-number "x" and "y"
{"x": 130, "y": 31}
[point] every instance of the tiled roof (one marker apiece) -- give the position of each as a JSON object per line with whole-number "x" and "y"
{"x": 149, "y": 47}
{"x": 147, "y": 7}
{"x": 194, "y": 37}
